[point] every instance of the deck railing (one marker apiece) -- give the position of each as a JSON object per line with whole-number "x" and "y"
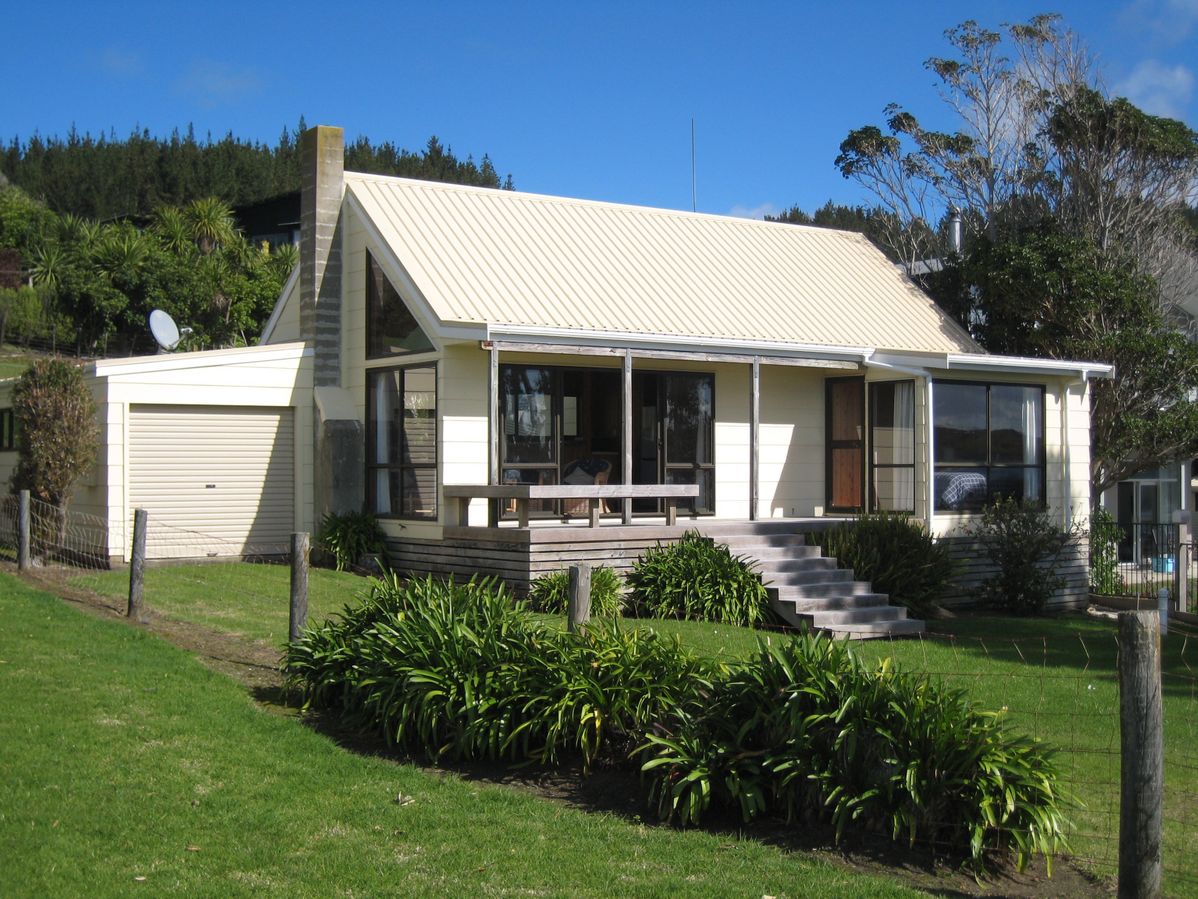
{"x": 460, "y": 495}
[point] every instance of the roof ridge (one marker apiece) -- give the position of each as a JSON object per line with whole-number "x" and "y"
{"x": 581, "y": 201}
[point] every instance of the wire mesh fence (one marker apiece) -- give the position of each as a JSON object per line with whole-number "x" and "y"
{"x": 1055, "y": 680}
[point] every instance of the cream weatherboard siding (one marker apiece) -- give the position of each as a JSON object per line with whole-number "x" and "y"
{"x": 215, "y": 480}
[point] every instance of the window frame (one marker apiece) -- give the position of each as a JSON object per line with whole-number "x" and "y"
{"x": 399, "y": 466}
{"x": 990, "y": 465}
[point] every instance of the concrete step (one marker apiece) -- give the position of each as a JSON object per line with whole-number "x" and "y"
{"x": 879, "y": 630}
{"x": 821, "y": 589}
{"x": 803, "y": 577}
{"x": 836, "y": 617}
{"x": 757, "y": 540}
{"x": 832, "y": 603}
{"x": 776, "y": 553}
{"x": 803, "y": 563}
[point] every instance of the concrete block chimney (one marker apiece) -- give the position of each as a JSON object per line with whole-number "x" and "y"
{"x": 338, "y": 434}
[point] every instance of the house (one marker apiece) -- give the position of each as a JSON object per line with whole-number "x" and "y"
{"x": 495, "y": 373}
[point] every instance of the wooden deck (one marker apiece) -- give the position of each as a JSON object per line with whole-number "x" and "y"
{"x": 519, "y": 555}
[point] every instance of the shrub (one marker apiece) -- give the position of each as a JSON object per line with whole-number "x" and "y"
{"x": 806, "y": 730}
{"x": 700, "y": 579}
{"x": 895, "y": 554}
{"x": 551, "y": 593}
{"x": 1026, "y": 546}
{"x": 462, "y": 671}
{"x": 1105, "y": 535}
{"x": 349, "y": 536}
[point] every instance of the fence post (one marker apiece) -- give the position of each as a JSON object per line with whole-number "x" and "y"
{"x": 137, "y": 564}
{"x": 1142, "y": 755}
{"x": 299, "y": 585}
{"x": 24, "y": 531}
{"x": 578, "y": 605}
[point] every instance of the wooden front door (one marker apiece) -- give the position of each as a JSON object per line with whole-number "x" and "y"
{"x": 845, "y": 441}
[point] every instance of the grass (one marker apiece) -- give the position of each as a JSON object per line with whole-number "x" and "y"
{"x": 1056, "y": 678}
{"x": 250, "y": 600}
{"x": 128, "y": 767}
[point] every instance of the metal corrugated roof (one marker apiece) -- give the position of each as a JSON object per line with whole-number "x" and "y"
{"x": 496, "y": 257}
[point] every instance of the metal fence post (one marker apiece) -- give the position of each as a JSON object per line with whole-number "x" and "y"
{"x": 1142, "y": 756}
{"x": 578, "y": 604}
{"x": 137, "y": 564}
{"x": 23, "y": 531}
{"x": 299, "y": 586}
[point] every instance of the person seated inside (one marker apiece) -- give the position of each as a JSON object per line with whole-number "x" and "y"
{"x": 588, "y": 470}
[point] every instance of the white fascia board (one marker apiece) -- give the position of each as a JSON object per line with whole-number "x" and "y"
{"x": 1028, "y": 365}
{"x": 676, "y": 342}
{"x": 288, "y": 286}
{"x": 1024, "y": 365}
{"x": 104, "y": 368}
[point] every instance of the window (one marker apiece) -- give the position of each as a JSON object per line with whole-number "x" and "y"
{"x": 391, "y": 329}
{"x": 8, "y": 430}
{"x": 989, "y": 444}
{"x": 401, "y": 442}
{"x": 892, "y": 445}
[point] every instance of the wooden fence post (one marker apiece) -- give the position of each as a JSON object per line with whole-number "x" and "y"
{"x": 578, "y": 606}
{"x": 299, "y": 586}
{"x": 137, "y": 564}
{"x": 24, "y": 556}
{"x": 1142, "y": 778}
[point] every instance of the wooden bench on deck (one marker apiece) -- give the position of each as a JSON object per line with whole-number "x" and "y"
{"x": 593, "y": 494}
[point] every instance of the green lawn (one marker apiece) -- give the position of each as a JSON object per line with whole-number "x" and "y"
{"x": 129, "y": 767}
{"x": 251, "y": 600}
{"x": 1056, "y": 678}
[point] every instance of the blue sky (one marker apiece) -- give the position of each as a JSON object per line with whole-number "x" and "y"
{"x": 581, "y": 99}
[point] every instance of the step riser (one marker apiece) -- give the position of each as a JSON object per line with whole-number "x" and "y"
{"x": 821, "y": 590}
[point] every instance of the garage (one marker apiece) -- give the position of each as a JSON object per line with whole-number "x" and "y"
{"x": 216, "y": 480}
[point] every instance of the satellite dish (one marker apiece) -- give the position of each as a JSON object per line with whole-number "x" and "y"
{"x": 166, "y": 332}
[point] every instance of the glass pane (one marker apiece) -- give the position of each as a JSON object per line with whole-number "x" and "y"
{"x": 526, "y": 408}
{"x": 894, "y": 489}
{"x": 847, "y": 492}
{"x": 847, "y": 399}
{"x": 390, "y": 324}
{"x": 529, "y": 476}
{"x": 892, "y": 434}
{"x": 1017, "y": 483}
{"x": 704, "y": 504}
{"x": 961, "y": 490}
{"x": 1016, "y": 423}
{"x": 420, "y": 492}
{"x": 960, "y": 420}
{"x": 689, "y": 413}
{"x": 420, "y": 416}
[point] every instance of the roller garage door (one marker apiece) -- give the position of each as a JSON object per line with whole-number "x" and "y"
{"x": 216, "y": 480}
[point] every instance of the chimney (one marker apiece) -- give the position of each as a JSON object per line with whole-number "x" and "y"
{"x": 322, "y": 160}
{"x": 339, "y": 442}
{"x": 954, "y": 230}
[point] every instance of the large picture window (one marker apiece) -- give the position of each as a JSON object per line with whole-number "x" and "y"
{"x": 989, "y": 444}
{"x": 892, "y": 445}
{"x": 401, "y": 447}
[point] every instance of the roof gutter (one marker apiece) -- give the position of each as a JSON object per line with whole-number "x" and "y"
{"x": 623, "y": 339}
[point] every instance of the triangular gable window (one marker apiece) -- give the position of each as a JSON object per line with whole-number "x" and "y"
{"x": 391, "y": 329}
